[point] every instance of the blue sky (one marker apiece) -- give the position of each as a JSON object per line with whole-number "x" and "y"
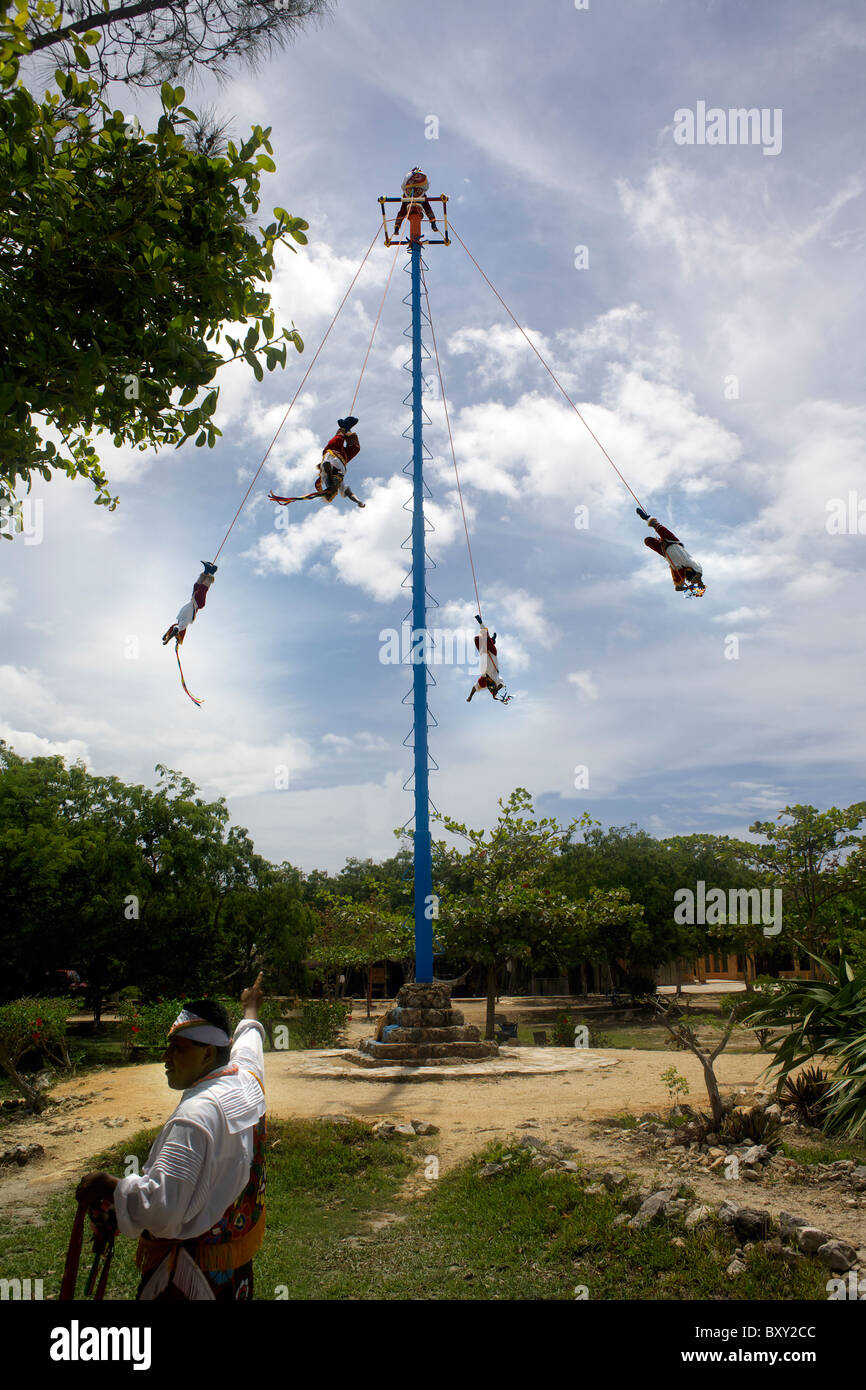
{"x": 706, "y": 263}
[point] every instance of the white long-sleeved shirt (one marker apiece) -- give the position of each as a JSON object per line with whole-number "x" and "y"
{"x": 200, "y": 1161}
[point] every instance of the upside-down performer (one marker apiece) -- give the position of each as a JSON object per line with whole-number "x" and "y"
{"x": 188, "y": 614}
{"x": 198, "y": 1207}
{"x": 489, "y": 677}
{"x": 414, "y": 189}
{"x": 686, "y": 573}
{"x": 336, "y": 457}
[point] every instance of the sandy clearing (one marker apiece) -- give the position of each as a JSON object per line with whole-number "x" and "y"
{"x": 468, "y": 1112}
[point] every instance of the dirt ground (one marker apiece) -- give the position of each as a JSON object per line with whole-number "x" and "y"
{"x": 468, "y": 1113}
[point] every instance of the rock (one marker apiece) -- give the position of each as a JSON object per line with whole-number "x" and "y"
{"x": 698, "y": 1216}
{"x": 837, "y": 1255}
{"x": 491, "y": 1169}
{"x": 21, "y": 1154}
{"x": 678, "y": 1241}
{"x": 735, "y": 1268}
{"x": 653, "y": 1209}
{"x": 774, "y": 1246}
{"x": 337, "y": 1119}
{"x": 727, "y": 1212}
{"x": 423, "y": 1127}
{"x": 859, "y": 1172}
{"x": 750, "y": 1175}
{"x": 405, "y": 1129}
{"x": 810, "y": 1239}
{"x": 554, "y": 1173}
{"x": 756, "y": 1154}
{"x": 621, "y": 1220}
{"x": 569, "y": 1166}
{"x": 614, "y": 1179}
{"x": 718, "y": 1163}
{"x": 650, "y": 1117}
{"x": 774, "y": 1110}
{"x": 383, "y": 1128}
{"x": 752, "y": 1224}
{"x": 789, "y": 1224}
{"x": 532, "y": 1141}
{"x": 114, "y": 1121}
{"x": 595, "y": 1189}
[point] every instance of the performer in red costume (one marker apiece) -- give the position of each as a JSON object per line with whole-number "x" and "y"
{"x": 336, "y": 457}
{"x": 686, "y": 573}
{"x": 415, "y": 186}
{"x": 489, "y": 677}
{"x": 190, "y": 609}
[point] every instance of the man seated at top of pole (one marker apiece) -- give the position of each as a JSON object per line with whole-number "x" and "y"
{"x": 414, "y": 187}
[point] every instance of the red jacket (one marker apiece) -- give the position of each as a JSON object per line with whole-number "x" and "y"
{"x": 344, "y": 448}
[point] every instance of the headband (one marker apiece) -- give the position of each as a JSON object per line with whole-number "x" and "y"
{"x": 198, "y": 1030}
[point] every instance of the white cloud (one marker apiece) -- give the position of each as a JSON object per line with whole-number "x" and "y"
{"x": 584, "y": 683}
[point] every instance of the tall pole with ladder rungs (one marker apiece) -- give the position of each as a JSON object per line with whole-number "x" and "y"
{"x": 423, "y": 864}
{"x": 414, "y": 206}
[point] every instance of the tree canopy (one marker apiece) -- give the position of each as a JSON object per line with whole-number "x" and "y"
{"x": 146, "y": 42}
{"x": 136, "y": 886}
{"x": 123, "y": 256}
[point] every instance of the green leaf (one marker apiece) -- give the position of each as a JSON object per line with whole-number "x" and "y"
{"x": 166, "y": 91}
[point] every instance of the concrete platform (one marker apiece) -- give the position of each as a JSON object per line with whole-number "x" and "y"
{"x": 347, "y": 1064}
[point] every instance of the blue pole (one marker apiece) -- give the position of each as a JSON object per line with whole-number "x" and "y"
{"x": 422, "y": 856}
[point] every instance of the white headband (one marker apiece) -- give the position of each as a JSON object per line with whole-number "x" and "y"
{"x": 197, "y": 1029}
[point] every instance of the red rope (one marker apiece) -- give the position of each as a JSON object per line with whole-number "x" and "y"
{"x": 373, "y": 334}
{"x": 548, "y": 369}
{"x": 297, "y": 393}
{"x": 451, "y": 437}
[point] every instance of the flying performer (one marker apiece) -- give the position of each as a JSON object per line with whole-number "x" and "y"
{"x": 489, "y": 676}
{"x": 336, "y": 457}
{"x": 686, "y": 573}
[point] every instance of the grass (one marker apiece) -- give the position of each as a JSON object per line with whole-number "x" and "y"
{"x": 830, "y": 1151}
{"x": 518, "y": 1235}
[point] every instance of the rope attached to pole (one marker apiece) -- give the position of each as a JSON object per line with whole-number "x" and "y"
{"x": 450, "y": 435}
{"x": 298, "y": 392}
{"x": 372, "y": 335}
{"x": 548, "y": 369}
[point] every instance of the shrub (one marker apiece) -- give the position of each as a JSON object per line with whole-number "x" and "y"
{"x": 144, "y": 1027}
{"x": 322, "y": 1021}
{"x": 32, "y": 1024}
{"x": 827, "y": 1017}
{"x": 751, "y": 1126}
{"x": 563, "y": 1031}
{"x": 807, "y": 1092}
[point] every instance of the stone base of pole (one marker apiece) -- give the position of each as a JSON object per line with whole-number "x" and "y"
{"x": 424, "y": 1028}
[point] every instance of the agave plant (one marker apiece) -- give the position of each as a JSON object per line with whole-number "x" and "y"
{"x": 807, "y": 1092}
{"x": 826, "y": 1018}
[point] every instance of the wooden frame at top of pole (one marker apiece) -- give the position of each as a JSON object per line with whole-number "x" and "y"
{"x": 413, "y": 211}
